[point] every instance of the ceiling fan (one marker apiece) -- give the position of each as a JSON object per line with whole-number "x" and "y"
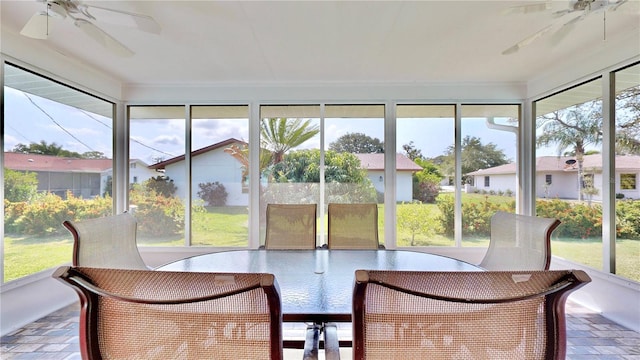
{"x": 583, "y": 7}
{"x": 42, "y": 23}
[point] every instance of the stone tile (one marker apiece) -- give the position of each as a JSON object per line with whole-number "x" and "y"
{"x": 55, "y": 337}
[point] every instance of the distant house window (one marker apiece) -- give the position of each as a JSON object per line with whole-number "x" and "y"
{"x": 547, "y": 179}
{"x": 135, "y": 179}
{"x": 628, "y": 182}
{"x": 587, "y": 181}
{"x": 486, "y": 181}
{"x": 132, "y": 165}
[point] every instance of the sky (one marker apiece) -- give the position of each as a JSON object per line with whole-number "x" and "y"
{"x": 33, "y": 119}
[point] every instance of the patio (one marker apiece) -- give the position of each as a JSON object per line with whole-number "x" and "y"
{"x": 54, "y": 337}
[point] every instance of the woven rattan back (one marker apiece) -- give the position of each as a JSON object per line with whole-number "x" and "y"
{"x": 353, "y": 226}
{"x": 461, "y": 315}
{"x": 519, "y": 242}
{"x": 291, "y": 226}
{"x": 106, "y": 242}
{"x": 145, "y": 314}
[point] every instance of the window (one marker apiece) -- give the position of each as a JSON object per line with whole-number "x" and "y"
{"x": 627, "y": 113}
{"x": 219, "y": 175}
{"x": 57, "y": 167}
{"x": 547, "y": 179}
{"x": 157, "y": 142}
{"x": 486, "y": 181}
{"x": 628, "y": 182}
{"x": 569, "y": 143}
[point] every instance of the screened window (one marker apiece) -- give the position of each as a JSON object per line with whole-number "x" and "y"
{"x": 628, "y": 181}
{"x": 58, "y": 165}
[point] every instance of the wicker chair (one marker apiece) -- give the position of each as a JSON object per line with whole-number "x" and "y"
{"x": 146, "y": 314}
{"x": 462, "y": 315}
{"x": 291, "y": 227}
{"x": 519, "y": 242}
{"x": 106, "y": 242}
{"x": 353, "y": 226}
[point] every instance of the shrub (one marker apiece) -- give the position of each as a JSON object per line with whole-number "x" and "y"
{"x": 214, "y": 194}
{"x": 162, "y": 185}
{"x": 157, "y": 214}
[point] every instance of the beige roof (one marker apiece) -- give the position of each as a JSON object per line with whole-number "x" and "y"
{"x": 34, "y": 162}
{"x": 376, "y": 162}
{"x": 559, "y": 163}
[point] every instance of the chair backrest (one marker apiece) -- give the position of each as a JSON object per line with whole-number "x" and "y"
{"x": 465, "y": 315}
{"x": 106, "y": 242}
{"x": 147, "y": 314}
{"x": 291, "y": 226}
{"x": 353, "y": 226}
{"x": 519, "y": 242}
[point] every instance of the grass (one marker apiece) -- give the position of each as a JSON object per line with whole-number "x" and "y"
{"x": 228, "y": 227}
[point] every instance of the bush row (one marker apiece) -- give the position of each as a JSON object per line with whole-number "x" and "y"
{"x": 579, "y": 220}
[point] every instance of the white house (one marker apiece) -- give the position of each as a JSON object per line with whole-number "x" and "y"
{"x": 212, "y": 163}
{"x": 405, "y": 167}
{"x": 209, "y": 164}
{"x": 557, "y": 177}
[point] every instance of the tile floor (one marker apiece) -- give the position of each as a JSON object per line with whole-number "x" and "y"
{"x": 55, "y": 337}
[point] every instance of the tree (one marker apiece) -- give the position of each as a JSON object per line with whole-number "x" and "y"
{"x": 412, "y": 152}
{"x": 628, "y": 121}
{"x": 43, "y": 148}
{"x": 280, "y": 135}
{"x": 475, "y": 156}
{"x": 357, "y": 143}
{"x": 426, "y": 182}
{"x": 416, "y": 218}
{"x": 93, "y": 155}
{"x": 19, "y": 186}
{"x": 214, "y": 194}
{"x": 162, "y": 185}
{"x": 574, "y": 128}
{"x": 344, "y": 177}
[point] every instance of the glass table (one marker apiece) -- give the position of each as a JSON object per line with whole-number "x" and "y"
{"x": 316, "y": 285}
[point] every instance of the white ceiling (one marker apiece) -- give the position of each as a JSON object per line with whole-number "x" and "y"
{"x": 284, "y": 42}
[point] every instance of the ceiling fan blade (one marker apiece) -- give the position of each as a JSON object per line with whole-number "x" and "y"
{"x": 526, "y": 41}
{"x": 528, "y": 8}
{"x": 42, "y": 23}
{"x": 124, "y": 18}
{"x": 103, "y": 38}
{"x": 38, "y": 27}
{"x": 559, "y": 35}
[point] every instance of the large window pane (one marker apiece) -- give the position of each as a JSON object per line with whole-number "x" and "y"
{"x": 220, "y": 175}
{"x": 160, "y": 187}
{"x": 569, "y": 170}
{"x": 57, "y": 166}
{"x": 488, "y": 154}
{"x": 425, "y": 175}
{"x": 289, "y": 156}
{"x": 354, "y": 157}
{"x": 627, "y": 172}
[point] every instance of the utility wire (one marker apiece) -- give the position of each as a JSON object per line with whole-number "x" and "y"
{"x": 55, "y": 122}
{"x": 132, "y": 139}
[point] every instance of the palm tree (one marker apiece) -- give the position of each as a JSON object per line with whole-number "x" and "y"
{"x": 573, "y": 129}
{"x": 279, "y": 135}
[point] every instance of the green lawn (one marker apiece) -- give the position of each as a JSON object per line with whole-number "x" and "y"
{"x": 227, "y": 226}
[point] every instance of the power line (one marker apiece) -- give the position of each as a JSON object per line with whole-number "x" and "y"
{"x": 134, "y": 140}
{"x": 55, "y": 122}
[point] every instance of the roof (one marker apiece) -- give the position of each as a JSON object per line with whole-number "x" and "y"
{"x": 35, "y": 162}
{"x": 559, "y": 163}
{"x": 206, "y": 149}
{"x": 376, "y": 162}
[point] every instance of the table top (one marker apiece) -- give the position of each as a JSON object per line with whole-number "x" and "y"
{"x": 316, "y": 285}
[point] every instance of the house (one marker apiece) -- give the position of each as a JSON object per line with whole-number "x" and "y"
{"x": 557, "y": 177}
{"x": 405, "y": 167}
{"x": 215, "y": 164}
{"x": 85, "y": 178}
